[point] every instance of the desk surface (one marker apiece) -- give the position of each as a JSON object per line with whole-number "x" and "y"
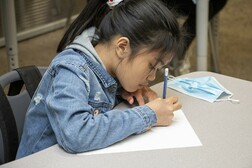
{"x": 225, "y": 130}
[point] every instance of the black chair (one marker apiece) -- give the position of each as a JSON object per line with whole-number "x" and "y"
{"x": 16, "y": 90}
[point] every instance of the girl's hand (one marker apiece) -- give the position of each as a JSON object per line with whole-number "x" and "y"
{"x": 142, "y": 95}
{"x": 164, "y": 109}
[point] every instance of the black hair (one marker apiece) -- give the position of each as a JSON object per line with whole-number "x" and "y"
{"x": 146, "y": 23}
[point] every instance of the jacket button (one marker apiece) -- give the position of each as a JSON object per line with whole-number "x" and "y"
{"x": 96, "y": 112}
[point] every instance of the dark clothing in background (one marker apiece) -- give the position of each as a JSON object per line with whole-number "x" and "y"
{"x": 188, "y": 8}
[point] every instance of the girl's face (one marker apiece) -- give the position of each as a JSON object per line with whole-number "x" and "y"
{"x": 135, "y": 73}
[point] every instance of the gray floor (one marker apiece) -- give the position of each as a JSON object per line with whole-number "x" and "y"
{"x": 235, "y": 44}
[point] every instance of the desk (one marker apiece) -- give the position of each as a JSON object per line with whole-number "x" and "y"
{"x": 224, "y": 129}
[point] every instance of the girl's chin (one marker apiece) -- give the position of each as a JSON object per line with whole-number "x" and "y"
{"x": 131, "y": 90}
{"x": 139, "y": 87}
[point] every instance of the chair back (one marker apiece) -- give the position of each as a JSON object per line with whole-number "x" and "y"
{"x": 16, "y": 90}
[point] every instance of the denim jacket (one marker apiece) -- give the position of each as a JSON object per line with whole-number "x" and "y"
{"x": 73, "y": 106}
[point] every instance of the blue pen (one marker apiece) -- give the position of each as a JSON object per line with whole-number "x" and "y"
{"x": 165, "y": 82}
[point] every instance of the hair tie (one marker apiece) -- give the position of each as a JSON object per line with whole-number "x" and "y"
{"x": 113, "y": 3}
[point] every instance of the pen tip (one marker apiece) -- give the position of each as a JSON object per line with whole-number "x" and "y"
{"x": 166, "y": 71}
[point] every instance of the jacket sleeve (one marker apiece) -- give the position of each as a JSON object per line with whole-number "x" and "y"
{"x": 75, "y": 127}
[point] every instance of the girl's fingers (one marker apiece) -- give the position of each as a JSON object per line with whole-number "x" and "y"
{"x": 177, "y": 106}
{"x": 140, "y": 99}
{"x": 128, "y": 97}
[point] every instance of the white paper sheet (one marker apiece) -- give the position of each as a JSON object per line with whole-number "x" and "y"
{"x": 179, "y": 134}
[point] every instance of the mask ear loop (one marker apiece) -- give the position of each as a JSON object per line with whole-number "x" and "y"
{"x": 236, "y": 101}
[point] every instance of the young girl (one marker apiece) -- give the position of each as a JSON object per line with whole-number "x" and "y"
{"x": 109, "y": 53}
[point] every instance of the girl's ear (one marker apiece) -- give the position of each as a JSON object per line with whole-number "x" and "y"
{"x": 123, "y": 47}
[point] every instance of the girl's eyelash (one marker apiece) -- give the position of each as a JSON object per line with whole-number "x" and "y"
{"x": 152, "y": 67}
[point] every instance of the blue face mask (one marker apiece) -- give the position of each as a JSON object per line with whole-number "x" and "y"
{"x": 205, "y": 88}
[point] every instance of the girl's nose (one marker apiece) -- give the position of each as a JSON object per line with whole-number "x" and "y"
{"x": 152, "y": 76}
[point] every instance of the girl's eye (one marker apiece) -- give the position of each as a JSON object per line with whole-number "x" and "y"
{"x": 152, "y": 68}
